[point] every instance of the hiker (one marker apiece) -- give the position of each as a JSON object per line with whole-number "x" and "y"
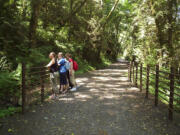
{"x": 68, "y": 66}
{"x": 62, "y": 73}
{"x": 53, "y": 68}
{"x": 72, "y": 69}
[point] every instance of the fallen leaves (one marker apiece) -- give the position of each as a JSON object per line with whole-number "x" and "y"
{"x": 10, "y": 130}
{"x": 63, "y": 118}
{"x": 25, "y": 121}
{"x": 46, "y": 118}
{"x": 102, "y": 132}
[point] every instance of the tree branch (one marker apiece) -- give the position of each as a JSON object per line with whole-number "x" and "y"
{"x": 110, "y": 13}
{"x": 78, "y": 8}
{"x": 74, "y": 12}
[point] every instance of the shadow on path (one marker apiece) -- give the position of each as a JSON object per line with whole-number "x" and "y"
{"x": 105, "y": 104}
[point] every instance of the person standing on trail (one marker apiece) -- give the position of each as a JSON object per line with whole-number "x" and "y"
{"x": 72, "y": 72}
{"x": 62, "y": 72}
{"x": 53, "y": 68}
{"x": 68, "y": 66}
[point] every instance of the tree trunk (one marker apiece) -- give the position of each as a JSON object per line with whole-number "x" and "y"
{"x": 36, "y": 4}
{"x": 170, "y": 29}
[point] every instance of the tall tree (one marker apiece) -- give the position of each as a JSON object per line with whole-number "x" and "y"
{"x": 36, "y": 6}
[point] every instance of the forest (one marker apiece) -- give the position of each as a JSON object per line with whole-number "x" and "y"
{"x": 95, "y": 32}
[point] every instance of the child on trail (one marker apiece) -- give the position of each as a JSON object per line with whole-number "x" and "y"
{"x": 53, "y": 68}
{"x": 72, "y": 72}
{"x": 68, "y": 66}
{"x": 62, "y": 72}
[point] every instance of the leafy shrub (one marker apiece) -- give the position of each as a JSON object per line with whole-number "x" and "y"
{"x": 10, "y": 85}
{"x": 9, "y": 111}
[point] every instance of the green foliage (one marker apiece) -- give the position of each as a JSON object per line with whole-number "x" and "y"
{"x": 10, "y": 85}
{"x": 9, "y": 111}
{"x": 149, "y": 32}
{"x": 84, "y": 67}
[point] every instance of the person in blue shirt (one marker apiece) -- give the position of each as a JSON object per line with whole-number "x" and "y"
{"x": 62, "y": 72}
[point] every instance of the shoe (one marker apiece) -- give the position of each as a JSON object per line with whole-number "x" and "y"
{"x": 52, "y": 97}
{"x": 65, "y": 91}
{"x": 73, "y": 89}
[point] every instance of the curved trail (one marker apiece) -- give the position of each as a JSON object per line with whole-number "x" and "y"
{"x": 105, "y": 104}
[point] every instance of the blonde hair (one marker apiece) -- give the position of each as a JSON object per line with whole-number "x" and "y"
{"x": 68, "y": 55}
{"x": 60, "y": 53}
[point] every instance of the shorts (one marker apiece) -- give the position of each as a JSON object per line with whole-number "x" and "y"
{"x": 54, "y": 82}
{"x": 72, "y": 78}
{"x": 63, "y": 79}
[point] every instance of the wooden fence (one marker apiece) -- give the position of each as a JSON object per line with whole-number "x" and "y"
{"x": 33, "y": 82}
{"x": 166, "y": 85}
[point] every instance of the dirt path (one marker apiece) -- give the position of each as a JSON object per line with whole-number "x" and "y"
{"x": 105, "y": 104}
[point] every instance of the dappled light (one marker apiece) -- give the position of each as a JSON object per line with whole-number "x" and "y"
{"x": 102, "y": 85}
{"x": 108, "y": 102}
{"x": 89, "y": 67}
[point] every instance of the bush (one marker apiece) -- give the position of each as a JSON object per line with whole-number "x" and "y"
{"x": 10, "y": 86}
{"x": 9, "y": 111}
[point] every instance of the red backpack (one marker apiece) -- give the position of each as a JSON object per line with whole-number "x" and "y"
{"x": 75, "y": 65}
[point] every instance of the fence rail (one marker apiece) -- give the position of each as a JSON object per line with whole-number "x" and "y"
{"x": 171, "y": 83}
{"x": 33, "y": 82}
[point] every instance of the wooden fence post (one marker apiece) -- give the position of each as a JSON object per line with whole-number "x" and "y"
{"x": 136, "y": 80}
{"x": 131, "y": 74}
{"x": 23, "y": 87}
{"x": 130, "y": 71}
{"x": 171, "y": 97}
{"x": 42, "y": 88}
{"x": 147, "y": 81}
{"x": 179, "y": 74}
{"x": 157, "y": 85}
{"x": 133, "y": 71}
{"x": 129, "y": 64}
{"x": 141, "y": 77}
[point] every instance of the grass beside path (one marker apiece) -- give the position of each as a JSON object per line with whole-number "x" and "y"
{"x": 86, "y": 67}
